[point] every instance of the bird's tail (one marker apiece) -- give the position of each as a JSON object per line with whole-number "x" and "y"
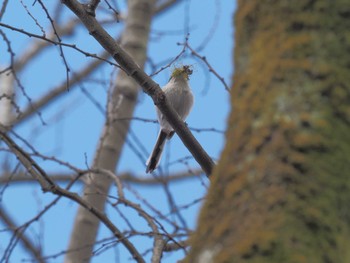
{"x": 154, "y": 159}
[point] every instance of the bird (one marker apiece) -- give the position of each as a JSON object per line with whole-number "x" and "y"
{"x": 179, "y": 94}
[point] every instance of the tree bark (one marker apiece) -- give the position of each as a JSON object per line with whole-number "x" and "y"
{"x": 6, "y": 98}
{"x": 120, "y": 107}
{"x": 281, "y": 190}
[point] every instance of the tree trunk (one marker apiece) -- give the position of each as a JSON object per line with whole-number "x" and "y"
{"x": 281, "y": 191}
{"x": 121, "y": 106}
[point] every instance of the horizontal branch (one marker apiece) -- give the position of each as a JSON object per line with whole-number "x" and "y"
{"x": 56, "y": 43}
{"x": 124, "y": 177}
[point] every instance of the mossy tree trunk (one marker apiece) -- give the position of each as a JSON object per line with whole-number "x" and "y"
{"x": 281, "y": 191}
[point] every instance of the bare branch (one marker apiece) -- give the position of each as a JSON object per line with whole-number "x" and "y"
{"x": 58, "y": 91}
{"x": 124, "y": 177}
{"x": 151, "y": 181}
{"x": 35, "y": 170}
{"x": 24, "y": 178}
{"x": 73, "y": 46}
{"x": 59, "y": 40}
{"x": 28, "y": 244}
{"x": 149, "y": 86}
{"x": 176, "y": 246}
{"x": 172, "y": 60}
{"x": 158, "y": 240}
{"x": 48, "y": 185}
{"x": 211, "y": 69}
{"x": 115, "y": 11}
{"x": 38, "y": 46}
{"x": 91, "y": 7}
{"x": 3, "y": 8}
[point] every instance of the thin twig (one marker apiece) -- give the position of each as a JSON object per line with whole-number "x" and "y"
{"x": 73, "y": 46}
{"x": 58, "y": 91}
{"x": 211, "y": 69}
{"x": 148, "y": 85}
{"x": 47, "y": 184}
{"x": 158, "y": 240}
{"x": 34, "y": 251}
{"x": 59, "y": 40}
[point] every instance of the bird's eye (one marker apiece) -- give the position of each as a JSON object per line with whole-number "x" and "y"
{"x": 188, "y": 70}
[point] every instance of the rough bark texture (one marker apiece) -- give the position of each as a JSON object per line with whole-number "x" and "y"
{"x": 121, "y": 106}
{"x": 281, "y": 191}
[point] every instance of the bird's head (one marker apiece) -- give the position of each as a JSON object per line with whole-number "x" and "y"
{"x": 184, "y": 71}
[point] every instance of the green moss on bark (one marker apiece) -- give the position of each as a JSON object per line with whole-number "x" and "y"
{"x": 281, "y": 191}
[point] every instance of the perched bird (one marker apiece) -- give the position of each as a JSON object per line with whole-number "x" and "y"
{"x": 179, "y": 95}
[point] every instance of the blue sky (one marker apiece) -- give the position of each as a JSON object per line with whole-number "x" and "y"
{"x": 74, "y": 123}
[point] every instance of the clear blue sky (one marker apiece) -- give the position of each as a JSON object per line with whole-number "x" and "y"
{"x": 73, "y": 135}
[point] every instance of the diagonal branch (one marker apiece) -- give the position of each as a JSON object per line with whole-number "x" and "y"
{"x": 48, "y": 185}
{"x": 59, "y": 90}
{"x": 39, "y": 46}
{"x": 149, "y": 86}
{"x": 27, "y": 243}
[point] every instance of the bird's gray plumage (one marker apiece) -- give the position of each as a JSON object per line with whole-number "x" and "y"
{"x": 179, "y": 95}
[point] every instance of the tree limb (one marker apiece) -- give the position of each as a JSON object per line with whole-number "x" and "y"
{"x": 126, "y": 177}
{"x": 149, "y": 86}
{"x": 59, "y": 90}
{"x": 48, "y": 185}
{"x": 27, "y": 243}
